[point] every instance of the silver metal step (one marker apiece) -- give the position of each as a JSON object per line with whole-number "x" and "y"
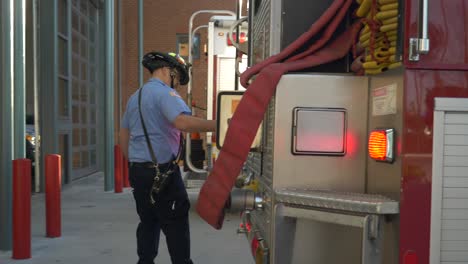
{"x": 352, "y": 202}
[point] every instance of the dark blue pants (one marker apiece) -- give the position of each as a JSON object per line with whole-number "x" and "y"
{"x": 169, "y": 214}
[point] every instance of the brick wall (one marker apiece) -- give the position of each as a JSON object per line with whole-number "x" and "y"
{"x": 163, "y": 19}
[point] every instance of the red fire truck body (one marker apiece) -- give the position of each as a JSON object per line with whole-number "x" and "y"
{"x": 322, "y": 192}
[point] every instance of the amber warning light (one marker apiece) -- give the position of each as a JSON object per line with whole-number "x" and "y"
{"x": 380, "y": 145}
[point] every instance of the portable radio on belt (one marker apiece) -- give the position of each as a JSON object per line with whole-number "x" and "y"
{"x": 161, "y": 179}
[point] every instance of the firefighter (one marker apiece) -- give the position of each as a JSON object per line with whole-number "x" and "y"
{"x": 164, "y": 115}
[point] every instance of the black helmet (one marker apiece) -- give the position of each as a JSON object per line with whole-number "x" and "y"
{"x": 155, "y": 60}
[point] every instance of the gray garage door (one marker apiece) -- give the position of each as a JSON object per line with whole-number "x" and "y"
{"x": 84, "y": 82}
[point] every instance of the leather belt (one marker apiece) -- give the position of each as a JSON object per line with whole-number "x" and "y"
{"x": 149, "y": 165}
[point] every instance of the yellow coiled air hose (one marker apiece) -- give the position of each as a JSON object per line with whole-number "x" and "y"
{"x": 378, "y": 37}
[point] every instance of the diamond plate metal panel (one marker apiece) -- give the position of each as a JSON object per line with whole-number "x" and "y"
{"x": 261, "y": 32}
{"x": 268, "y": 141}
{"x": 352, "y": 202}
{"x": 262, "y": 218}
{"x": 253, "y": 164}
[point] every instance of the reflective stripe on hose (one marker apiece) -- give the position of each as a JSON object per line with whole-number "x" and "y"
{"x": 246, "y": 120}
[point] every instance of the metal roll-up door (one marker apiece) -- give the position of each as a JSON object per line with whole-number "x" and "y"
{"x": 449, "y": 210}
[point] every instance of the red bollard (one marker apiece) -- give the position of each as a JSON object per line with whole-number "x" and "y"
{"x": 21, "y": 209}
{"x": 118, "y": 160}
{"x": 53, "y": 178}
{"x": 125, "y": 172}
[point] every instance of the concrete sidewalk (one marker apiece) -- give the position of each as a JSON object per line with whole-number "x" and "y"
{"x": 99, "y": 227}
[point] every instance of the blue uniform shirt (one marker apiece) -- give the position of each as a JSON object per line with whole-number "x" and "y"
{"x": 160, "y": 105}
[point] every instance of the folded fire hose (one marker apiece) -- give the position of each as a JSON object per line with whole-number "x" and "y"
{"x": 250, "y": 112}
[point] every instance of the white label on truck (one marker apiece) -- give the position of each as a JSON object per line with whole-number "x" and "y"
{"x": 384, "y": 100}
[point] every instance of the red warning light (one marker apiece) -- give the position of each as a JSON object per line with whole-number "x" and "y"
{"x": 242, "y": 39}
{"x": 248, "y": 227}
{"x": 254, "y": 246}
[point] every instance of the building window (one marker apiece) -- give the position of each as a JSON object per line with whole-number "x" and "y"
{"x": 62, "y": 10}
{"x": 63, "y": 59}
{"x": 63, "y": 102}
{"x": 63, "y": 152}
{"x": 183, "y": 43}
{"x": 62, "y": 56}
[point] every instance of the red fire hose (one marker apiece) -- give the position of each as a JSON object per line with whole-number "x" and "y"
{"x": 250, "y": 111}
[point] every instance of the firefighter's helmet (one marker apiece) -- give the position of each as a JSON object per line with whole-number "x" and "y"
{"x": 155, "y": 60}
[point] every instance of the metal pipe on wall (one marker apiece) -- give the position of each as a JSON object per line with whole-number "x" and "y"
{"x": 188, "y": 146}
{"x": 119, "y": 70}
{"x": 19, "y": 79}
{"x": 140, "y": 39}
{"x": 236, "y": 62}
{"x": 48, "y": 81}
{"x": 6, "y": 124}
{"x": 109, "y": 110}
{"x": 210, "y": 85}
{"x": 37, "y": 154}
{"x": 67, "y": 139}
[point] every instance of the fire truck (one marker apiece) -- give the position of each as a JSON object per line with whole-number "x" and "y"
{"x": 360, "y": 111}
